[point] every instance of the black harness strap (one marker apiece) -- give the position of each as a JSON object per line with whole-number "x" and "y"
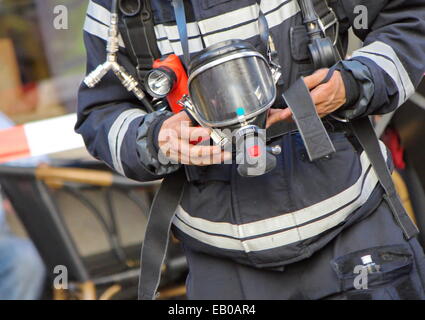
{"x": 324, "y": 12}
{"x": 164, "y": 205}
{"x": 321, "y": 47}
{"x": 330, "y": 21}
{"x": 316, "y": 138}
{"x": 365, "y": 133}
{"x": 138, "y": 34}
{"x": 157, "y": 233}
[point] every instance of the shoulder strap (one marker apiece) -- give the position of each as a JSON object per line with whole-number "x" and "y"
{"x": 329, "y": 22}
{"x": 157, "y": 234}
{"x": 180, "y": 16}
{"x": 138, "y": 34}
{"x": 316, "y": 139}
{"x": 365, "y": 133}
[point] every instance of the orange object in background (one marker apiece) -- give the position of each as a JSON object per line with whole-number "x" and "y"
{"x": 14, "y": 144}
{"x": 24, "y": 102}
{"x": 10, "y": 81}
{"x": 173, "y": 65}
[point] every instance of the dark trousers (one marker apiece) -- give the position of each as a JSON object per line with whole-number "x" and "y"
{"x": 337, "y": 271}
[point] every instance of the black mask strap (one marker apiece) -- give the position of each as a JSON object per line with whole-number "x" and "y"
{"x": 268, "y": 42}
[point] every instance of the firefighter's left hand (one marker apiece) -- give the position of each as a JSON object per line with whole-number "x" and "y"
{"x": 327, "y": 97}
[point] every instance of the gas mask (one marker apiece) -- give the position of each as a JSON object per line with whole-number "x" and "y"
{"x": 230, "y": 88}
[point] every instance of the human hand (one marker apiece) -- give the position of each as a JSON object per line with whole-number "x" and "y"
{"x": 327, "y": 97}
{"x": 175, "y": 137}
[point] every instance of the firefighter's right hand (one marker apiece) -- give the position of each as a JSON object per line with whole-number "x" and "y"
{"x": 176, "y": 140}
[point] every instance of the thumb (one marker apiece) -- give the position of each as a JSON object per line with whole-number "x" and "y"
{"x": 277, "y": 115}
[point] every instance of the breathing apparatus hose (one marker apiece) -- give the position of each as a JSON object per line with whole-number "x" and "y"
{"x": 111, "y": 63}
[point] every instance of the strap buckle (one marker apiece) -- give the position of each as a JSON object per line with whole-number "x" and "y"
{"x": 335, "y": 117}
{"x": 333, "y": 22}
{"x": 141, "y": 73}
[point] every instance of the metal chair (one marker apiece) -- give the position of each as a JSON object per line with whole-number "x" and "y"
{"x": 115, "y": 271}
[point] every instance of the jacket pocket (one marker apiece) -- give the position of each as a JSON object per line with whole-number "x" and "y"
{"x": 379, "y": 273}
{"x": 299, "y": 41}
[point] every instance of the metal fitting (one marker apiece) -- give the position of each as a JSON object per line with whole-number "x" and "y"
{"x": 128, "y": 81}
{"x": 96, "y": 75}
{"x": 276, "y": 150}
{"x": 219, "y": 138}
{"x": 112, "y": 47}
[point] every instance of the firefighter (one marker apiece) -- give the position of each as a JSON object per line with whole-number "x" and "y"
{"x": 307, "y": 229}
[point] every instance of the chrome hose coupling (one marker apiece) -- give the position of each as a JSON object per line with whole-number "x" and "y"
{"x": 111, "y": 63}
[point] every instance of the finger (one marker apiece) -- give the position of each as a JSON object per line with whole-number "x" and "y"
{"x": 316, "y": 78}
{"x": 197, "y": 155}
{"x": 204, "y": 151}
{"x": 202, "y": 156}
{"x": 189, "y": 133}
{"x": 224, "y": 157}
{"x": 278, "y": 115}
{"x": 326, "y": 108}
{"x": 322, "y": 110}
{"x": 172, "y": 148}
{"x": 198, "y": 134}
{"x": 187, "y": 153}
{"x": 323, "y": 93}
{"x": 175, "y": 149}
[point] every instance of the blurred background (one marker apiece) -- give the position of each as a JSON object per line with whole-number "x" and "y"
{"x": 69, "y": 227}
{"x": 41, "y": 67}
{"x": 55, "y": 217}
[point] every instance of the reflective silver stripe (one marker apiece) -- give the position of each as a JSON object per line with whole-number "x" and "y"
{"x": 99, "y": 30}
{"x": 243, "y": 32}
{"x": 168, "y": 47}
{"x": 236, "y": 17}
{"x": 99, "y": 13}
{"x": 117, "y": 133}
{"x": 277, "y": 17}
{"x": 172, "y": 32}
{"x": 388, "y": 51}
{"x": 246, "y": 31}
{"x": 285, "y": 237}
{"x": 219, "y": 233}
{"x": 288, "y": 220}
{"x": 229, "y": 19}
{"x": 270, "y": 5}
{"x": 386, "y": 58}
{"x": 95, "y": 27}
{"x": 171, "y": 43}
{"x": 222, "y": 26}
{"x": 390, "y": 69}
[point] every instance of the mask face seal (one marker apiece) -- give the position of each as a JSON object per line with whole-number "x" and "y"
{"x": 230, "y": 84}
